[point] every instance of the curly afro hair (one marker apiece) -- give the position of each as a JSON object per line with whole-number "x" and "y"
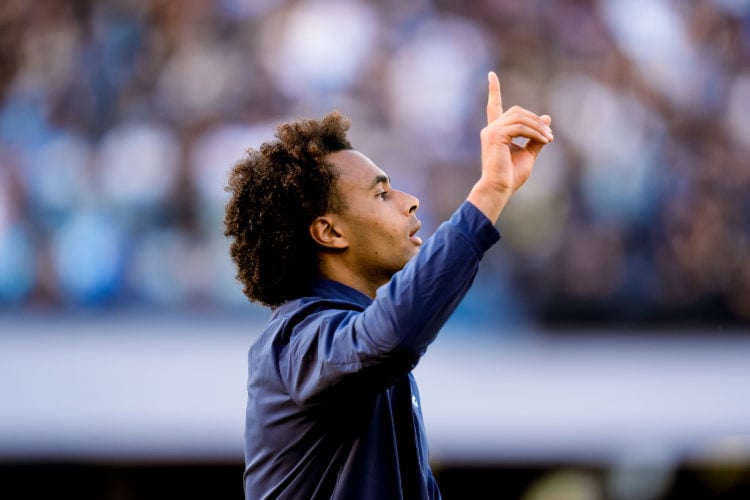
{"x": 276, "y": 192}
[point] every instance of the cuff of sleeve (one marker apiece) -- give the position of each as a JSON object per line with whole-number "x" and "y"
{"x": 476, "y": 226}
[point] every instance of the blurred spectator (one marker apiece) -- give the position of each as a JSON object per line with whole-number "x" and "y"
{"x": 119, "y": 120}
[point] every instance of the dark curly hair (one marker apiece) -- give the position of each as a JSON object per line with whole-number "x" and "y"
{"x": 276, "y": 192}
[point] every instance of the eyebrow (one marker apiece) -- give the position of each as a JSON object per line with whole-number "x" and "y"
{"x": 381, "y": 179}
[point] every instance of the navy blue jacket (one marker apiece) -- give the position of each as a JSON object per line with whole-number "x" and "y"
{"x": 333, "y": 410}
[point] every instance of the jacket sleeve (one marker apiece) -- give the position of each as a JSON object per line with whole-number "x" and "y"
{"x": 334, "y": 349}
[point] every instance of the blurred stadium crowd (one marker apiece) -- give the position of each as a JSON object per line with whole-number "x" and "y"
{"x": 120, "y": 119}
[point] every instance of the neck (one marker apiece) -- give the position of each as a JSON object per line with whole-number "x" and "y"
{"x": 336, "y": 270}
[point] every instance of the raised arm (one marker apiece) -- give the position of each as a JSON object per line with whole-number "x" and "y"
{"x": 505, "y": 164}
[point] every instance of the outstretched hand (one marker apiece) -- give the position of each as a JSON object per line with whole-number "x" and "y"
{"x": 506, "y": 165}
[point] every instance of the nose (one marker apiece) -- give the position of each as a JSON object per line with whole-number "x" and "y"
{"x": 413, "y": 203}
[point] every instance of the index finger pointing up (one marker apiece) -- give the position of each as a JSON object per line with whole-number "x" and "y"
{"x": 494, "y": 98}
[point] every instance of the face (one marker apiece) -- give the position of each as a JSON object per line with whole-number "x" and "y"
{"x": 378, "y": 221}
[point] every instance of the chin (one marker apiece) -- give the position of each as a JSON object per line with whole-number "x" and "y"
{"x": 412, "y": 254}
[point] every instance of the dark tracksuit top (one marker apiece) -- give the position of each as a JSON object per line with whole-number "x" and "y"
{"x": 333, "y": 409}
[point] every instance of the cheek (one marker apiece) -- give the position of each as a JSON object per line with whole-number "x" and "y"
{"x": 381, "y": 243}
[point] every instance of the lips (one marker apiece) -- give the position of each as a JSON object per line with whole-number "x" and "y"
{"x": 413, "y": 234}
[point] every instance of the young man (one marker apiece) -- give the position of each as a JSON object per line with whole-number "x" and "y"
{"x": 320, "y": 235}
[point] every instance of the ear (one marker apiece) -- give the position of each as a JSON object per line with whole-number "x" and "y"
{"x": 326, "y": 233}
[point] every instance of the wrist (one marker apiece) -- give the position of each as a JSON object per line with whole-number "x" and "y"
{"x": 489, "y": 199}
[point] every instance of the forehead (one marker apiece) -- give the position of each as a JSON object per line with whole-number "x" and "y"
{"x": 355, "y": 169}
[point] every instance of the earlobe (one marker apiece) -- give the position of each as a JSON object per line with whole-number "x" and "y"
{"x": 326, "y": 234}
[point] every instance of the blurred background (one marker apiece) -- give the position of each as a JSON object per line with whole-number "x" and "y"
{"x": 607, "y": 335}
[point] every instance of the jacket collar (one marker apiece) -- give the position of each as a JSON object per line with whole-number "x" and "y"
{"x": 329, "y": 289}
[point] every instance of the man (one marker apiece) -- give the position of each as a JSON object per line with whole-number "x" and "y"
{"x": 320, "y": 235}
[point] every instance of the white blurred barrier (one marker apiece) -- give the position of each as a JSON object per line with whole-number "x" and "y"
{"x": 163, "y": 388}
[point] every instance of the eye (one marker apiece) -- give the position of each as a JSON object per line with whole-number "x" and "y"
{"x": 383, "y": 194}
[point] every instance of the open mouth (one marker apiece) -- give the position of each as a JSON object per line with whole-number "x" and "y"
{"x": 413, "y": 235}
